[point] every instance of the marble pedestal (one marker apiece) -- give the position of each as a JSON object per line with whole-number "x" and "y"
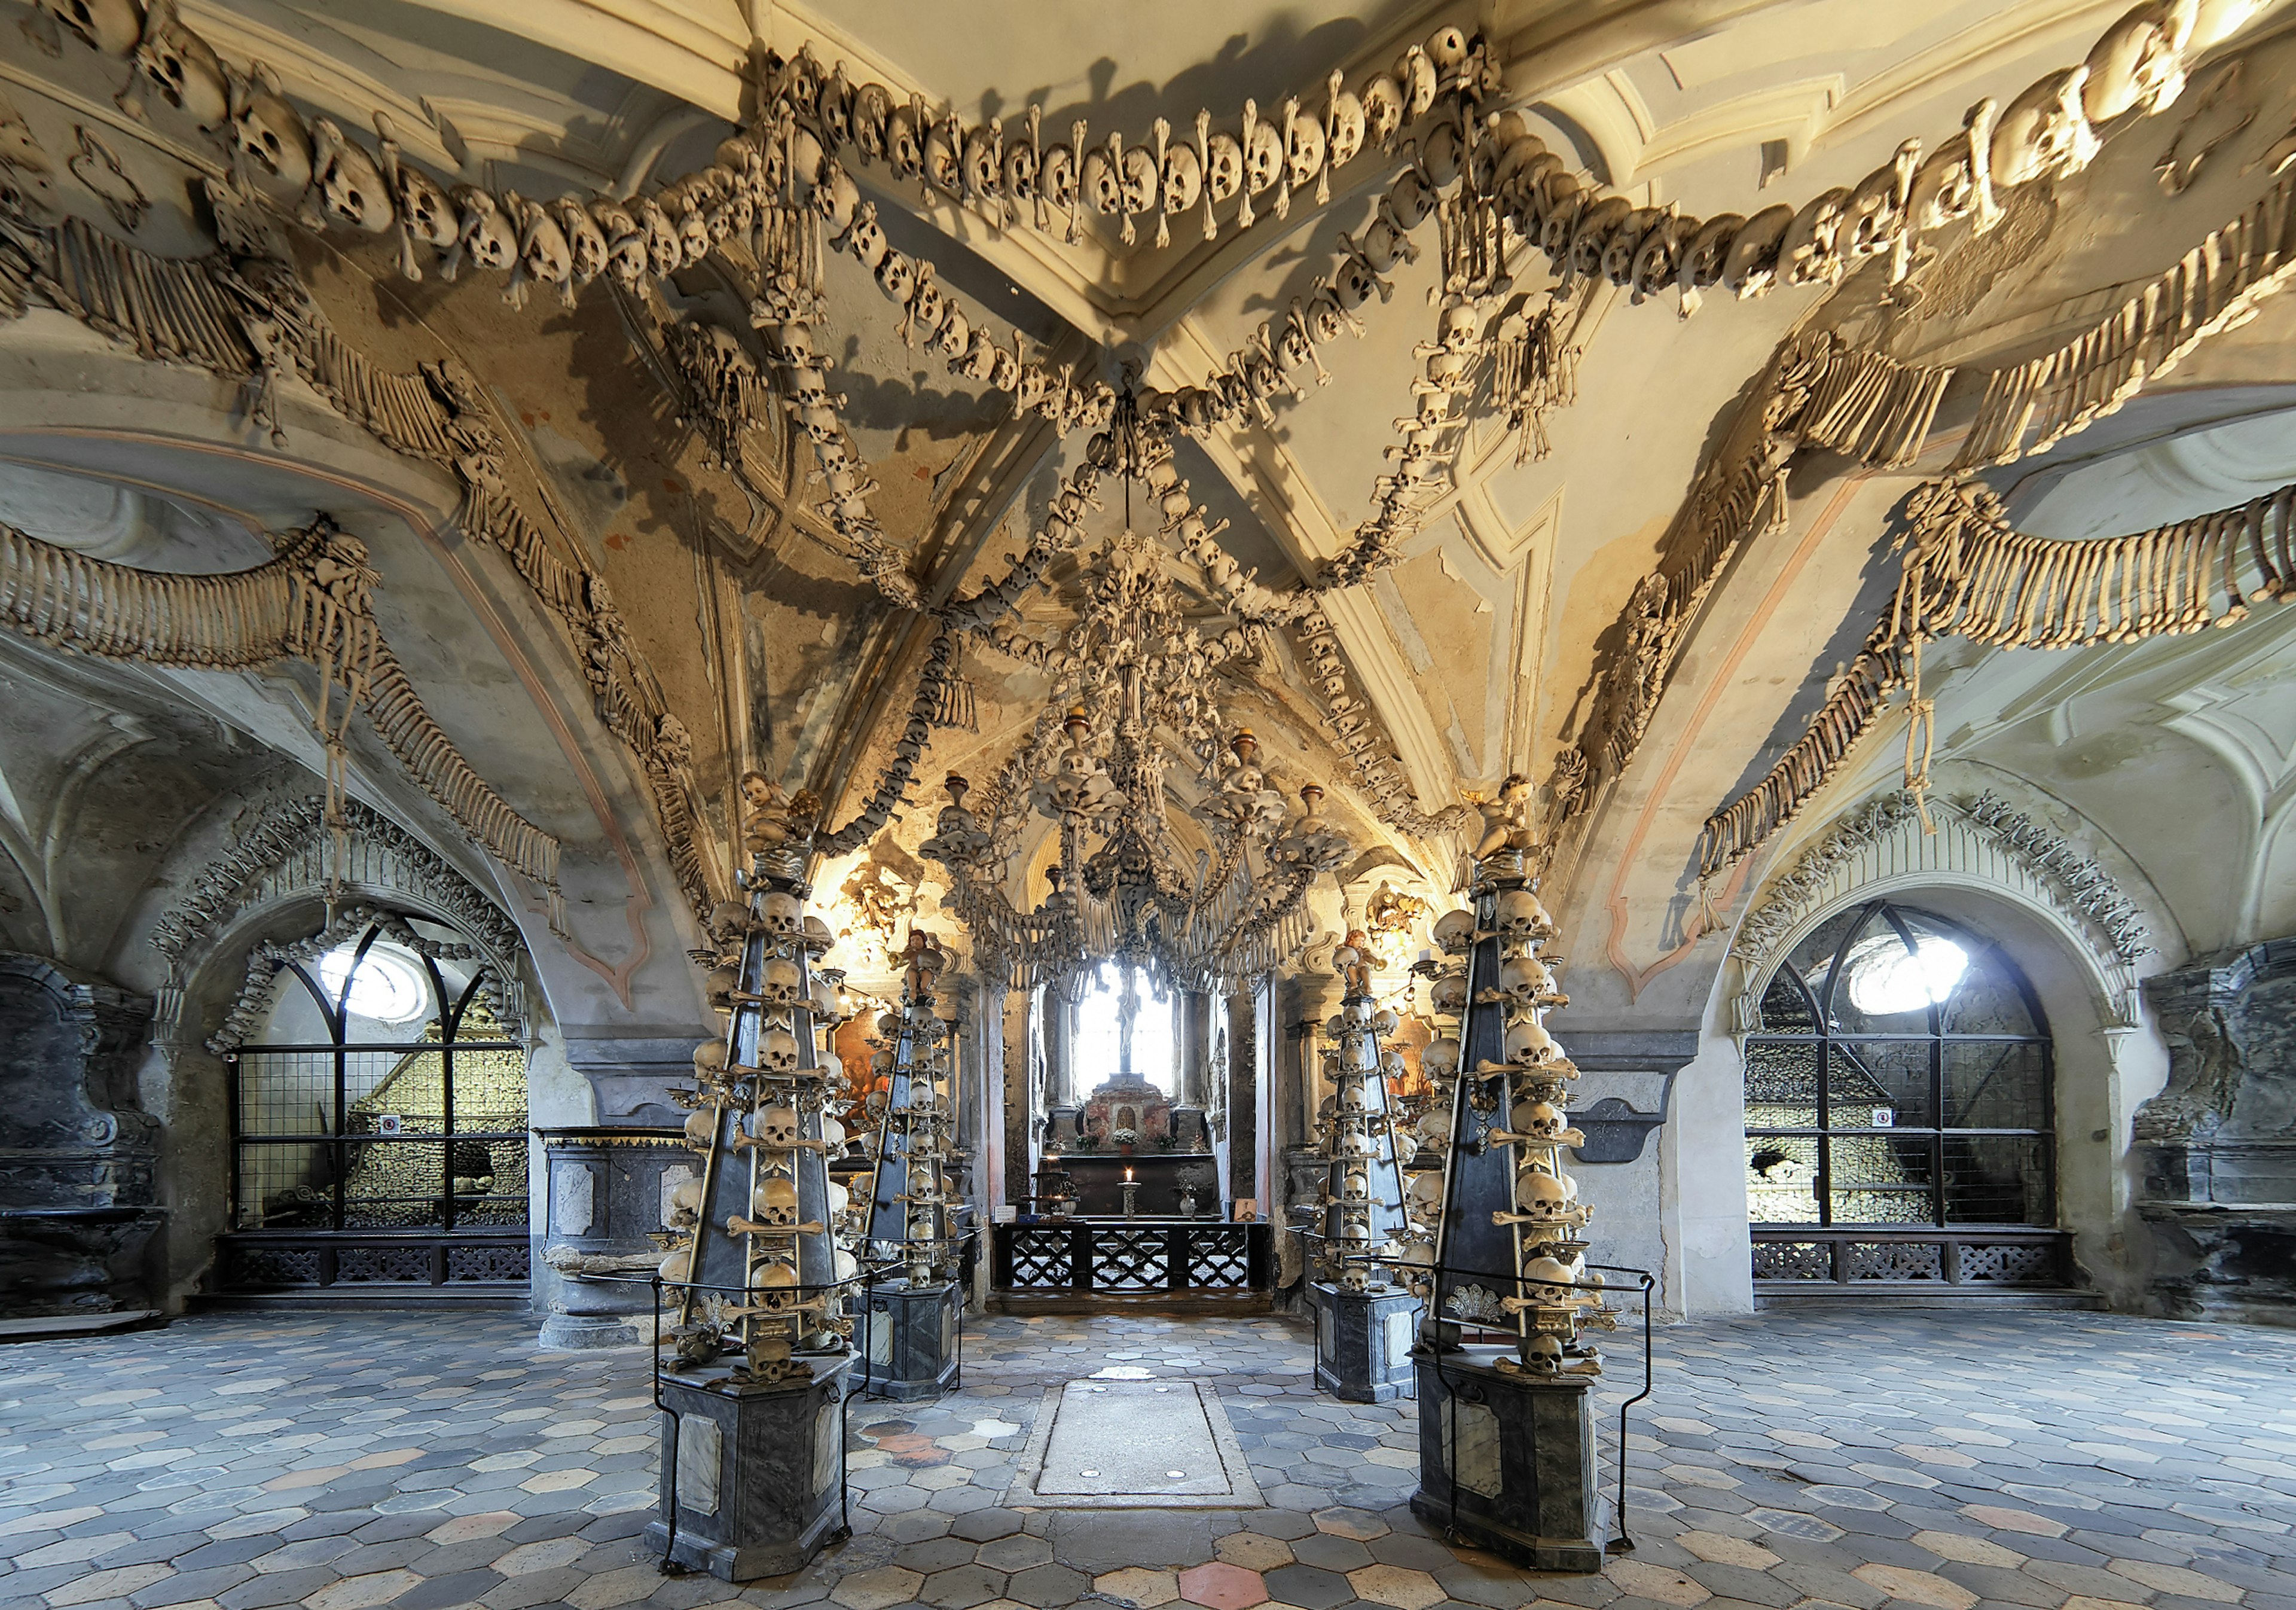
{"x": 1523, "y": 1482}
{"x": 1363, "y": 1341}
{"x": 610, "y": 1190}
{"x": 755, "y": 1471}
{"x": 907, "y": 1339}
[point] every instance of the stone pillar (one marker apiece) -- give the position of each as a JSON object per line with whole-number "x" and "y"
{"x": 609, "y": 1194}
{"x": 1242, "y": 1104}
{"x": 752, "y": 1476}
{"x": 77, "y": 1197}
{"x": 1508, "y": 1462}
{"x": 1021, "y": 1075}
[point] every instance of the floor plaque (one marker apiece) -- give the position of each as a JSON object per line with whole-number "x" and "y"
{"x": 1130, "y": 1445}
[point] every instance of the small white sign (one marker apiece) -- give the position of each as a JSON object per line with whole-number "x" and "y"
{"x": 1003, "y": 1215}
{"x": 1884, "y": 1118}
{"x": 389, "y": 1123}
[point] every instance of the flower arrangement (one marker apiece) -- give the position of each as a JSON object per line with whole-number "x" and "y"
{"x": 1125, "y": 1137}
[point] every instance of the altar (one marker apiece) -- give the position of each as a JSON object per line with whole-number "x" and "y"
{"x": 1097, "y": 1179}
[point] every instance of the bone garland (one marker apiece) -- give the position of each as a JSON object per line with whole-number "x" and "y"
{"x": 754, "y": 1264}
{"x": 893, "y": 781}
{"x": 1153, "y": 173}
{"x": 1358, "y": 1126}
{"x": 1821, "y": 392}
{"x": 2081, "y": 882}
{"x": 1536, "y": 372}
{"x": 1507, "y": 1202}
{"x": 314, "y": 602}
{"x": 802, "y": 376}
{"x": 1967, "y": 573}
{"x": 1378, "y": 773}
{"x": 2029, "y": 407}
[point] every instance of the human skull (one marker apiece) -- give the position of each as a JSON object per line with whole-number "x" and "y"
{"x": 1521, "y": 916}
{"x": 1303, "y": 149}
{"x": 1443, "y": 153}
{"x": 1343, "y": 125}
{"x": 702, "y": 1128}
{"x": 665, "y": 250}
{"x": 1558, "y": 215}
{"x": 1223, "y": 167}
{"x": 866, "y": 239}
{"x": 351, "y": 187}
{"x": 182, "y": 67}
{"x": 1528, "y": 1044}
{"x": 1382, "y": 109}
{"x": 944, "y": 165}
{"x": 1593, "y": 230}
{"x": 111, "y": 27}
{"x": 1874, "y": 217}
{"x": 486, "y": 237}
{"x": 1058, "y": 176}
{"x": 1448, "y": 994}
{"x": 1539, "y": 1118}
{"x": 717, "y": 986}
{"x": 1540, "y": 1194}
{"x": 2043, "y": 130}
{"x": 1708, "y": 248}
{"x": 1460, "y": 328}
{"x": 777, "y": 1051}
{"x": 781, "y": 914}
{"x": 905, "y": 153}
{"x": 1183, "y": 178}
{"x": 1753, "y": 260}
{"x": 873, "y": 105}
{"x": 780, "y": 981}
{"x": 626, "y": 251}
{"x": 1523, "y": 979}
{"x": 1810, "y": 253}
{"x": 1440, "y": 1057}
{"x": 1415, "y": 76}
{"x": 271, "y": 135}
{"x": 586, "y": 243}
{"x": 543, "y": 252}
{"x": 1410, "y": 199}
{"x": 1659, "y": 257}
{"x": 1455, "y": 931}
{"x": 775, "y": 1201}
{"x": 2140, "y": 61}
{"x": 777, "y": 1128}
{"x": 1263, "y": 158}
{"x": 710, "y": 1058}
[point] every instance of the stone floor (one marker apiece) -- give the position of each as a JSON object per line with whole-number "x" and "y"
{"x": 2059, "y": 1461}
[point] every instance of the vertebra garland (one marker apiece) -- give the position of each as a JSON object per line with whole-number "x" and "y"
{"x": 753, "y": 1262}
{"x": 1510, "y": 1253}
{"x": 1967, "y": 573}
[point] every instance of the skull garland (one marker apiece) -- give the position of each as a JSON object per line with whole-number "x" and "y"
{"x": 352, "y": 189}
{"x": 182, "y": 67}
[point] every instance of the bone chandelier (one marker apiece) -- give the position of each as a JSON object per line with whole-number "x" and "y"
{"x": 1132, "y": 684}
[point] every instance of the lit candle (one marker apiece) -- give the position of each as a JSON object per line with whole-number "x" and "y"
{"x": 1128, "y": 1176}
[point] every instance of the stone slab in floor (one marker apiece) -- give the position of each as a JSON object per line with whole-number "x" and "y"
{"x": 1122, "y": 1444}
{"x": 1879, "y": 1461}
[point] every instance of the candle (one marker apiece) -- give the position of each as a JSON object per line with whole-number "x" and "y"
{"x": 1128, "y": 1176}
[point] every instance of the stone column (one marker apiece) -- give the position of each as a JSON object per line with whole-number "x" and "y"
{"x": 1017, "y": 1077}
{"x": 1243, "y": 1087}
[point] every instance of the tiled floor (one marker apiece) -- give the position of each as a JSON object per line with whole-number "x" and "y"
{"x": 2059, "y": 1461}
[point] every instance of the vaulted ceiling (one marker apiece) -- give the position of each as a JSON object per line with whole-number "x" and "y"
{"x": 1485, "y": 637}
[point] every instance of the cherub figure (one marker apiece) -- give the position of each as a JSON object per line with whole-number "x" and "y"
{"x": 774, "y": 817}
{"x": 1507, "y": 818}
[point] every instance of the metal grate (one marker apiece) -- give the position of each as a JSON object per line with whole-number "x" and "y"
{"x": 1130, "y": 1261}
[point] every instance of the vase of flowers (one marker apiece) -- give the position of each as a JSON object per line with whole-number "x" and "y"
{"x": 1125, "y": 1140}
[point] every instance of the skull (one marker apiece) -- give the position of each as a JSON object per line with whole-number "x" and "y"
{"x": 943, "y": 171}
{"x": 1383, "y": 111}
{"x": 543, "y": 252}
{"x": 1355, "y": 1185}
{"x": 1659, "y": 257}
{"x": 1448, "y": 994}
{"x": 1455, "y": 931}
{"x": 665, "y": 250}
{"x": 1439, "y": 1059}
{"x": 1708, "y": 248}
{"x": 1521, "y": 916}
{"x": 955, "y": 334}
{"x": 872, "y": 105}
{"x": 1559, "y": 214}
{"x": 1222, "y": 166}
{"x": 269, "y": 132}
{"x": 1415, "y": 76}
{"x": 1443, "y": 153}
{"x": 1410, "y": 199}
{"x": 1103, "y": 191}
{"x": 780, "y": 913}
{"x": 1753, "y": 259}
{"x": 112, "y": 27}
{"x": 926, "y": 304}
{"x": 710, "y": 1058}
{"x": 183, "y": 69}
{"x": 586, "y": 243}
{"x": 1596, "y": 224}
{"x": 2043, "y": 130}
{"x": 780, "y": 982}
{"x": 1447, "y": 48}
{"x": 1540, "y": 1194}
{"x": 777, "y": 1128}
{"x": 866, "y": 239}
{"x": 905, "y": 153}
{"x": 1183, "y": 178}
{"x": 717, "y": 986}
{"x": 1343, "y": 125}
{"x": 2140, "y": 61}
{"x": 1875, "y": 219}
{"x": 1303, "y": 154}
{"x": 1523, "y": 979}
{"x": 1353, "y": 282}
{"x": 486, "y": 237}
{"x": 1543, "y": 1119}
{"x": 777, "y": 1051}
{"x": 351, "y": 188}
{"x": 1810, "y": 252}
{"x": 1528, "y": 1044}
{"x": 1542, "y": 1352}
{"x": 775, "y": 1201}
{"x": 1263, "y": 158}
{"x": 984, "y": 166}
{"x": 1460, "y": 329}
{"x": 626, "y": 253}
{"x": 1058, "y": 176}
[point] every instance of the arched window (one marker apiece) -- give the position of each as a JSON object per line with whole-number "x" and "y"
{"x": 1120, "y": 1021}
{"x": 379, "y": 1119}
{"x": 1898, "y": 1110}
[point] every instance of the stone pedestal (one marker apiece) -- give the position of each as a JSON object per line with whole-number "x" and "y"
{"x": 756, "y": 1472}
{"x": 1508, "y": 1461}
{"x": 1363, "y": 1341}
{"x": 610, "y": 1190}
{"x": 905, "y": 1340}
